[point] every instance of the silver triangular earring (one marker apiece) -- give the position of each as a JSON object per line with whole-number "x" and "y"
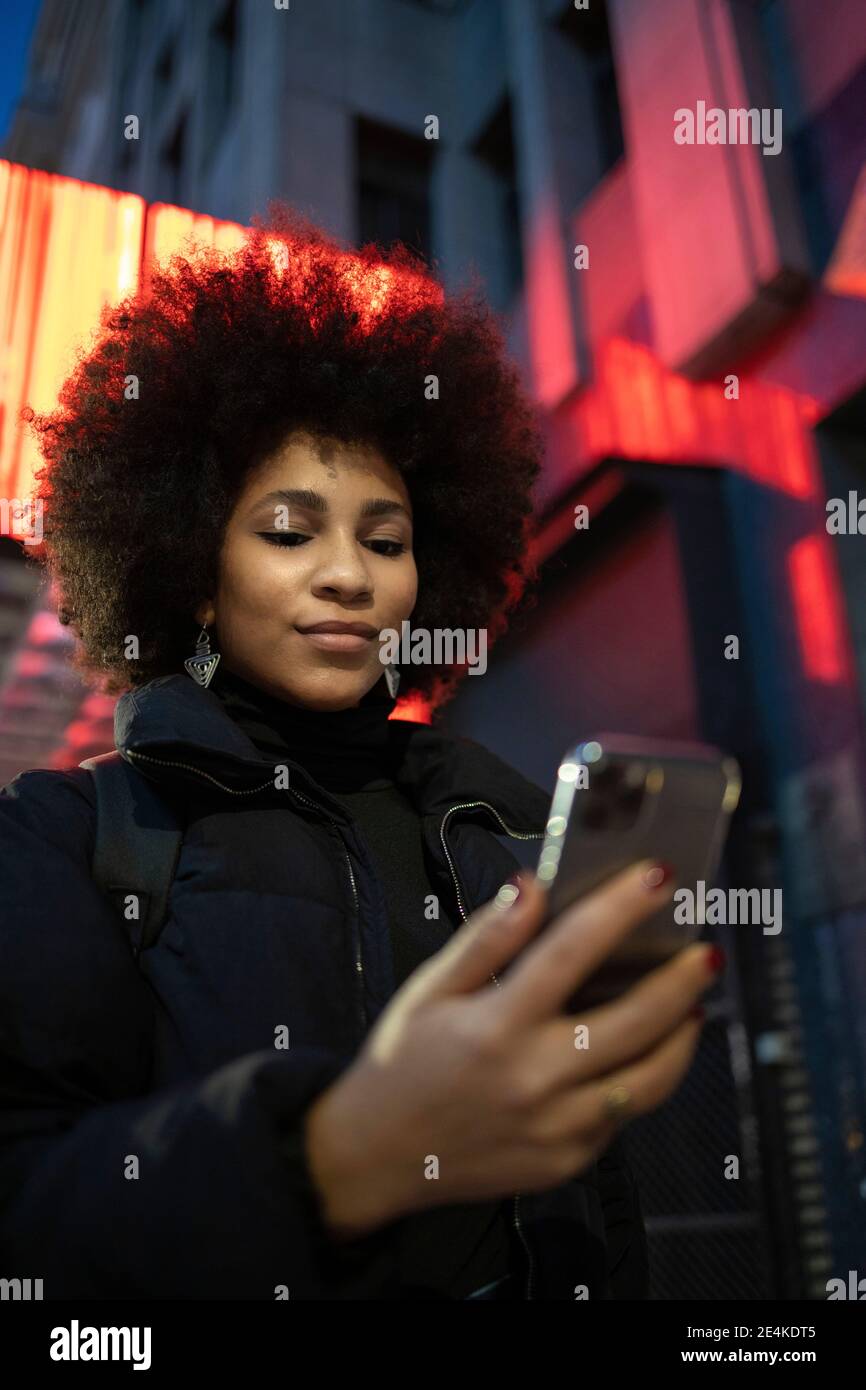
{"x": 202, "y": 666}
{"x": 392, "y": 679}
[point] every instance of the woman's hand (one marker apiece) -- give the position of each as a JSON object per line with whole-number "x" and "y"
{"x": 489, "y": 1081}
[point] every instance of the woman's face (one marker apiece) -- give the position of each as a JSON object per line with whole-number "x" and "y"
{"x": 314, "y": 539}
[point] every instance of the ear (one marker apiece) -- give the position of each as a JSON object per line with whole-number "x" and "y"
{"x": 205, "y": 614}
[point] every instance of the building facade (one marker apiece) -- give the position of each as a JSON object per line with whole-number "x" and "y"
{"x": 665, "y": 201}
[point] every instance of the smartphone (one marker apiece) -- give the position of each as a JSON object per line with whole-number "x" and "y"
{"x": 619, "y": 799}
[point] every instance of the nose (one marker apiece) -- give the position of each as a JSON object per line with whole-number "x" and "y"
{"x": 341, "y": 570}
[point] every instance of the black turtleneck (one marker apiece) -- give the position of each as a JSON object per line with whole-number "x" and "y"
{"x": 343, "y": 750}
{"x": 353, "y": 754}
{"x": 446, "y": 1252}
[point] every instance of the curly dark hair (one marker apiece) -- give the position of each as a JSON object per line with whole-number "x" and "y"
{"x": 233, "y": 352}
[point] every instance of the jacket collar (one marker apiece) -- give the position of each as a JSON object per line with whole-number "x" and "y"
{"x": 173, "y": 729}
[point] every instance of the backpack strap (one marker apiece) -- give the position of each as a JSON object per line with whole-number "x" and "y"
{"x": 138, "y": 838}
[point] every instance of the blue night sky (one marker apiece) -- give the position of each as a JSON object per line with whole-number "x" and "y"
{"x": 17, "y": 22}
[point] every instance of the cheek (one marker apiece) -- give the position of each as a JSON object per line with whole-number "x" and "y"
{"x": 405, "y": 590}
{"x": 255, "y": 579}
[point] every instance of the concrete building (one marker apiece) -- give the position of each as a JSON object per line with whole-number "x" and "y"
{"x": 684, "y": 288}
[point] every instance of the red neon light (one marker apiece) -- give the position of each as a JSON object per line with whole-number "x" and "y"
{"x": 49, "y": 223}
{"x": 414, "y": 708}
{"x": 638, "y": 409}
{"x": 815, "y": 596}
{"x": 66, "y": 250}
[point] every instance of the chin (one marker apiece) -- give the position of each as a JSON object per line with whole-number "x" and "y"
{"x": 329, "y": 703}
{"x": 333, "y": 690}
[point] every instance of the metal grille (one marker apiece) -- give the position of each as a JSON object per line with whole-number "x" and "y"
{"x": 704, "y": 1230}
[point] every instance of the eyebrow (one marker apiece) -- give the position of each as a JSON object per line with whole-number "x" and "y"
{"x": 315, "y": 502}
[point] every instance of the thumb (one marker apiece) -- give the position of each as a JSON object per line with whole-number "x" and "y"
{"x": 488, "y": 940}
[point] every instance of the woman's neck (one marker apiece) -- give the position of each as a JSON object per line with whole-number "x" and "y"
{"x": 342, "y": 749}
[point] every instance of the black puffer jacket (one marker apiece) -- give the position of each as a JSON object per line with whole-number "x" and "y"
{"x": 168, "y": 1068}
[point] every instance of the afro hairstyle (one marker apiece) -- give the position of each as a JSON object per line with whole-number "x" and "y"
{"x": 233, "y": 352}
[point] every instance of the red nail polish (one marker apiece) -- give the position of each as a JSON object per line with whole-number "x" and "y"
{"x": 658, "y": 875}
{"x": 716, "y": 959}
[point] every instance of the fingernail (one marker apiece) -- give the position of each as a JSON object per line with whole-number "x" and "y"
{"x": 508, "y": 893}
{"x": 658, "y": 875}
{"x": 698, "y": 1012}
{"x": 716, "y": 959}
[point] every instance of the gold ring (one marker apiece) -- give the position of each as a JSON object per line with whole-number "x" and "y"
{"x": 618, "y": 1103}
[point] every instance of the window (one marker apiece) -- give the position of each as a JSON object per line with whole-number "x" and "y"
{"x": 137, "y": 15}
{"x": 125, "y": 161}
{"x": 590, "y": 32}
{"x": 393, "y": 185}
{"x": 495, "y": 148}
{"x": 163, "y": 74}
{"x": 221, "y": 75}
{"x": 172, "y": 160}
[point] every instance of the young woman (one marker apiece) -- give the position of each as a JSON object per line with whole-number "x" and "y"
{"x": 342, "y": 1069}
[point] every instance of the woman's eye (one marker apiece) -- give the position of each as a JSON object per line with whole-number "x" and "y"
{"x": 390, "y": 547}
{"x": 291, "y": 538}
{"x": 296, "y": 538}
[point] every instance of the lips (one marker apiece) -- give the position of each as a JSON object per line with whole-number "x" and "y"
{"x": 332, "y": 625}
{"x": 335, "y": 636}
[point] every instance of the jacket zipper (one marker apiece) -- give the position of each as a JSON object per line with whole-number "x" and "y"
{"x": 515, "y": 835}
{"x": 359, "y": 966}
{"x": 359, "y": 962}
{"x": 251, "y": 791}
